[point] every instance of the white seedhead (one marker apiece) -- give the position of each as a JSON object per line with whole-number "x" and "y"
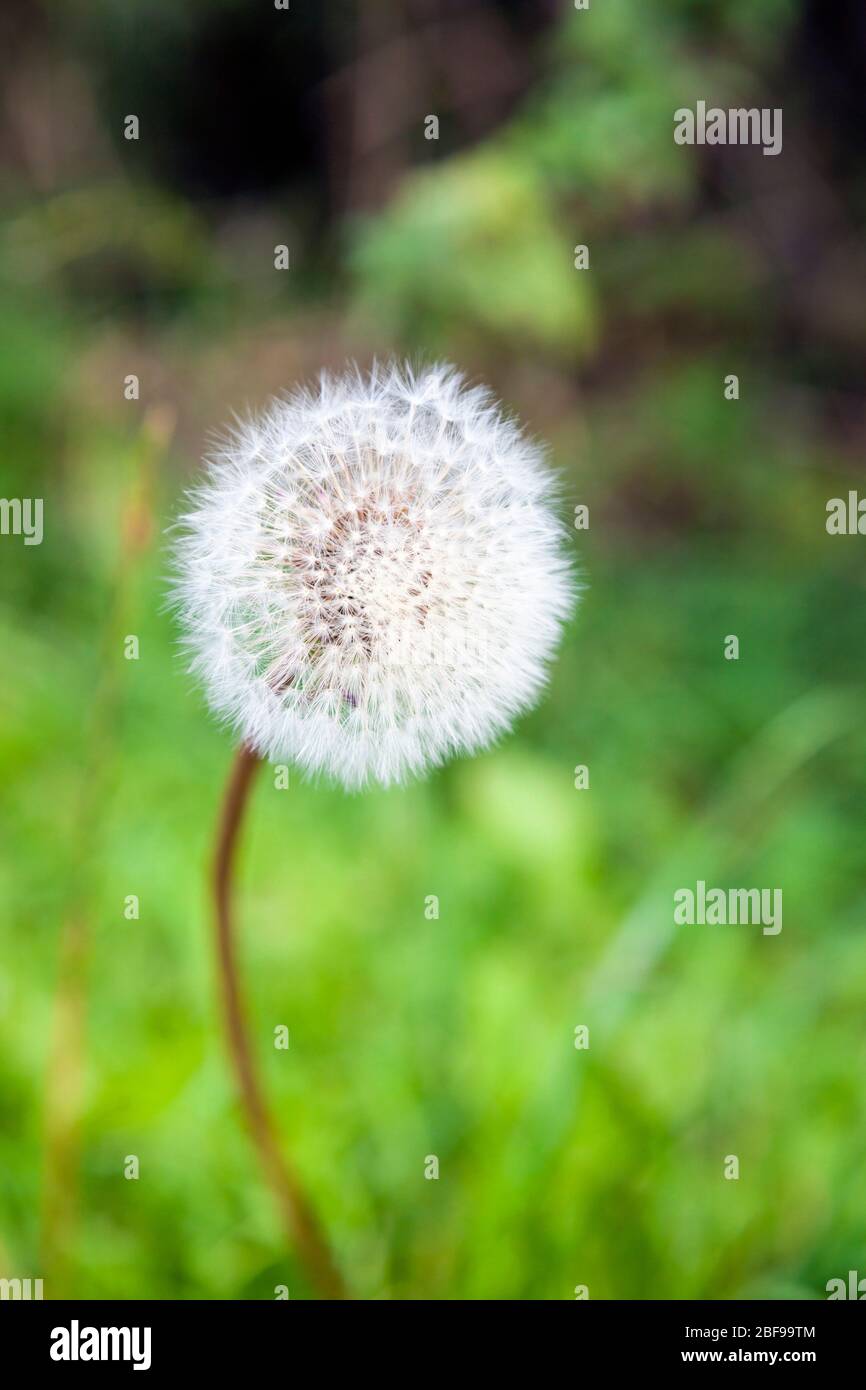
{"x": 373, "y": 576}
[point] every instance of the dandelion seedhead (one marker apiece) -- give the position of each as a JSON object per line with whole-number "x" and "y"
{"x": 372, "y": 576}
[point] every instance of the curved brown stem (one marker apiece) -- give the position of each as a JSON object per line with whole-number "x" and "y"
{"x": 299, "y": 1218}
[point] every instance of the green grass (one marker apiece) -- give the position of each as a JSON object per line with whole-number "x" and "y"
{"x": 453, "y": 1036}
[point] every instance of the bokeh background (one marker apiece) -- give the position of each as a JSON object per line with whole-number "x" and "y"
{"x": 452, "y": 1037}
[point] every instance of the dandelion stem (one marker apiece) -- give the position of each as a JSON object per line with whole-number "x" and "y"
{"x": 298, "y": 1216}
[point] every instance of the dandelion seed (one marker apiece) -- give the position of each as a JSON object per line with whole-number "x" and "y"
{"x": 373, "y": 576}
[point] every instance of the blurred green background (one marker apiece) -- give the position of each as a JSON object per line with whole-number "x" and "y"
{"x": 451, "y": 1037}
